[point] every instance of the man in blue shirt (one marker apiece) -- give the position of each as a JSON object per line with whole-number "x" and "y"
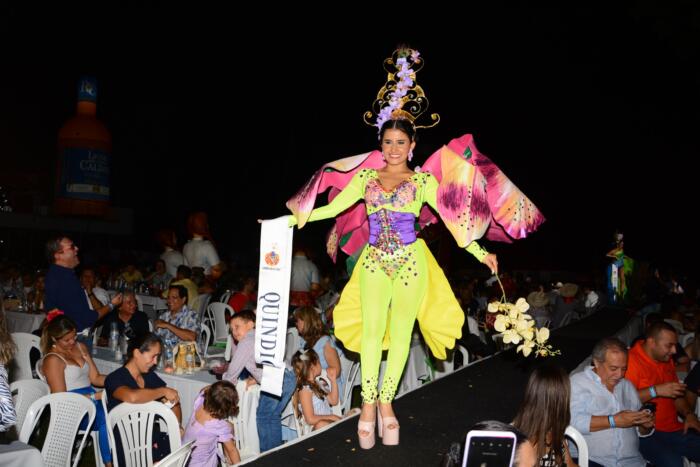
{"x": 63, "y": 289}
{"x": 605, "y": 408}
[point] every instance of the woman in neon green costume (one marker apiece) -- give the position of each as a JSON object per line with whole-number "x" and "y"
{"x": 392, "y": 270}
{"x": 396, "y": 279}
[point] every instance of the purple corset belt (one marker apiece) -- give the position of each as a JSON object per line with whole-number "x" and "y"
{"x": 390, "y": 230}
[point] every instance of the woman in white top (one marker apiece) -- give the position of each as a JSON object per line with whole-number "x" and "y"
{"x": 68, "y": 366}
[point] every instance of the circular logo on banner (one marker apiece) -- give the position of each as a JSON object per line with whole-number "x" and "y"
{"x": 272, "y": 258}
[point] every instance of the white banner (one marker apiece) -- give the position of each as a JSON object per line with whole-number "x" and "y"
{"x": 273, "y": 301}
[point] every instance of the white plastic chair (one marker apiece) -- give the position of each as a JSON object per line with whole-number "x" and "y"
{"x": 448, "y": 365}
{"x": 225, "y": 297}
{"x": 291, "y": 344}
{"x": 349, "y": 375}
{"x": 177, "y": 458}
{"x": 23, "y": 366}
{"x": 24, "y": 393}
{"x": 245, "y": 423}
{"x": 216, "y": 313}
{"x": 203, "y": 301}
{"x": 581, "y": 445}
{"x": 204, "y": 339}
{"x": 37, "y": 369}
{"x": 134, "y": 424}
{"x": 67, "y": 411}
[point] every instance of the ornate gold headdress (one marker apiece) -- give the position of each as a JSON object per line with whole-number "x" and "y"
{"x": 401, "y": 97}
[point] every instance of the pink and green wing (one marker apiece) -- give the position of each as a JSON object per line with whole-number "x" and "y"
{"x": 350, "y": 231}
{"x": 475, "y": 197}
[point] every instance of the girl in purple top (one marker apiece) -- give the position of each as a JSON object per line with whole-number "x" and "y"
{"x": 208, "y": 425}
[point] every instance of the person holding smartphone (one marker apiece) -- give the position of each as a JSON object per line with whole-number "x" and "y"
{"x": 606, "y": 409}
{"x": 652, "y": 371}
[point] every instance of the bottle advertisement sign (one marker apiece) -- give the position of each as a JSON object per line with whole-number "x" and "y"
{"x": 85, "y": 174}
{"x": 87, "y": 89}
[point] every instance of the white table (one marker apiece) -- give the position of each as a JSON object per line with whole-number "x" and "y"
{"x": 23, "y": 322}
{"x": 188, "y": 386}
{"x": 17, "y": 454}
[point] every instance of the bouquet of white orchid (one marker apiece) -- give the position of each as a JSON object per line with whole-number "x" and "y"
{"x": 516, "y": 326}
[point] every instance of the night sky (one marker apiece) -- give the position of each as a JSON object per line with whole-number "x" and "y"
{"x": 591, "y": 112}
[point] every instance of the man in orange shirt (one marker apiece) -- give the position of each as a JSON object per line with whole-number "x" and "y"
{"x": 653, "y": 373}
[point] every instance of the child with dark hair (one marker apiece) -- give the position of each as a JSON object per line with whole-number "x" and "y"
{"x": 315, "y": 401}
{"x": 208, "y": 425}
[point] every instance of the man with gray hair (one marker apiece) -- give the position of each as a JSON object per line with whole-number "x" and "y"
{"x": 606, "y": 409}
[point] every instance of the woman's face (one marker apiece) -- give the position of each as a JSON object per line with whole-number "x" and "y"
{"x": 128, "y": 305}
{"x": 148, "y": 359}
{"x": 395, "y": 146}
{"x": 300, "y": 325}
{"x": 67, "y": 342}
{"x": 39, "y": 283}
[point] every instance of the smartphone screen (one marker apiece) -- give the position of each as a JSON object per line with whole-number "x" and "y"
{"x": 489, "y": 449}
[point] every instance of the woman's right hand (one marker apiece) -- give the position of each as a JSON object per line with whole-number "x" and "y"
{"x": 172, "y": 395}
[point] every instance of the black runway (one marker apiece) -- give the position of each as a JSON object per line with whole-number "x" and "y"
{"x": 442, "y": 411}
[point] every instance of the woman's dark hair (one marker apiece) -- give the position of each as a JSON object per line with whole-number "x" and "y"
{"x": 54, "y": 330}
{"x": 313, "y": 326}
{"x": 221, "y": 400}
{"x": 544, "y": 414}
{"x": 143, "y": 343}
{"x": 399, "y": 124}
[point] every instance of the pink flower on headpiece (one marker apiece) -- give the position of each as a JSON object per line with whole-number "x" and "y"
{"x": 51, "y": 315}
{"x": 414, "y": 55}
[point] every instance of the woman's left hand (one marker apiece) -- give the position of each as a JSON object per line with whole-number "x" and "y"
{"x": 491, "y": 261}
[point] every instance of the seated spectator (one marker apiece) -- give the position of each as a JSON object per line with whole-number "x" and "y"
{"x": 270, "y": 407}
{"x": 246, "y": 297}
{"x": 566, "y": 306}
{"x": 8, "y": 417}
{"x": 159, "y": 279}
{"x": 131, "y": 322}
{"x": 131, "y": 275}
{"x": 68, "y": 366}
{"x": 97, "y": 296}
{"x": 209, "y": 425}
{"x": 591, "y": 300}
{"x": 35, "y": 299}
{"x": 525, "y": 455}
{"x": 313, "y": 335}
{"x": 606, "y": 409}
{"x": 544, "y": 415}
{"x": 184, "y": 273}
{"x": 653, "y": 373}
{"x": 539, "y": 308}
{"x": 178, "y": 322}
{"x": 313, "y": 400}
{"x": 210, "y": 283}
{"x": 137, "y": 384}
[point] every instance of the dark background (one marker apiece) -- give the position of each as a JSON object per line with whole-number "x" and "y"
{"x": 591, "y": 110}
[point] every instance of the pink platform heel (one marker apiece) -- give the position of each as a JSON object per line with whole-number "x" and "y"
{"x": 367, "y": 440}
{"x": 390, "y": 436}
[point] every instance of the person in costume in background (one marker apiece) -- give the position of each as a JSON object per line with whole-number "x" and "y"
{"x": 619, "y": 271}
{"x": 396, "y": 278}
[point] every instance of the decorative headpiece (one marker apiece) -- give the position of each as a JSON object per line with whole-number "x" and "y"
{"x": 401, "y": 97}
{"x": 303, "y": 356}
{"x": 55, "y": 313}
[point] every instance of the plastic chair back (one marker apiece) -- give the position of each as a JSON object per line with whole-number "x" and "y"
{"x": 581, "y": 445}
{"x": 22, "y": 368}
{"x": 24, "y": 393}
{"x": 134, "y": 423}
{"x": 179, "y": 457}
{"x": 67, "y": 411}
